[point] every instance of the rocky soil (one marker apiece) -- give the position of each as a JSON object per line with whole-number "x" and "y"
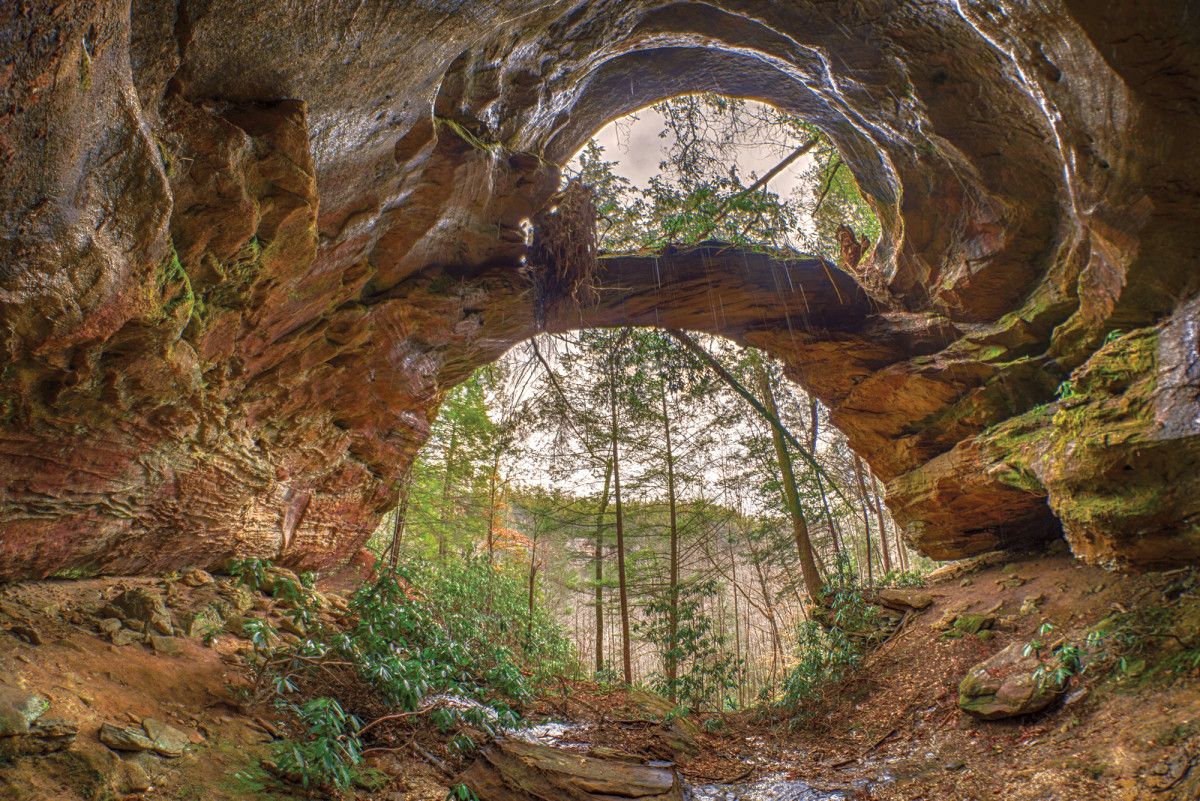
{"x": 136, "y": 688}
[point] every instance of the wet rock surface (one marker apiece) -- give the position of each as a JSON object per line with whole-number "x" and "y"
{"x": 217, "y": 224}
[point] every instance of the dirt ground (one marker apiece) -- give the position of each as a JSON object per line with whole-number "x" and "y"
{"x": 891, "y": 732}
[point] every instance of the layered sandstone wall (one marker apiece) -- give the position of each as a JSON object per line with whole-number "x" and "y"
{"x": 247, "y": 247}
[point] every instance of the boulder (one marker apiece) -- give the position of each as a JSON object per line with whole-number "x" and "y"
{"x": 970, "y": 624}
{"x": 125, "y": 637}
{"x": 140, "y": 605}
{"x": 125, "y": 738}
{"x": 274, "y": 577}
{"x": 165, "y": 740}
{"x": 514, "y": 770}
{"x": 238, "y": 597}
{"x": 167, "y": 646}
{"x": 904, "y": 599}
{"x": 677, "y": 734}
{"x": 1005, "y": 686}
{"x": 201, "y": 622}
{"x": 19, "y": 710}
{"x": 44, "y": 737}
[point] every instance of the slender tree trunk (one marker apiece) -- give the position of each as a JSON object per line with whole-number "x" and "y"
{"x": 533, "y": 568}
{"x": 400, "y": 519}
{"x": 623, "y": 590}
{"x": 737, "y": 626}
{"x": 451, "y": 456}
{"x": 804, "y": 549}
{"x": 493, "y": 492}
{"x": 883, "y": 542}
{"x": 862, "y": 489}
{"x": 776, "y": 642}
{"x": 598, "y": 562}
{"x": 672, "y": 661}
{"x": 835, "y": 533}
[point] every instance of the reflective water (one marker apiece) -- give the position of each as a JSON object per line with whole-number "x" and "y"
{"x": 775, "y": 787}
{"x": 772, "y": 788}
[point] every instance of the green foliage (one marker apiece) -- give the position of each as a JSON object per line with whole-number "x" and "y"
{"x": 461, "y": 792}
{"x": 828, "y": 648}
{"x": 701, "y": 194}
{"x": 461, "y": 629}
{"x": 454, "y": 641}
{"x": 707, "y": 675}
{"x": 1064, "y": 661}
{"x": 329, "y": 753}
{"x": 901, "y": 578}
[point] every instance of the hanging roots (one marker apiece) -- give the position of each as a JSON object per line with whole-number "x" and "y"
{"x": 562, "y": 257}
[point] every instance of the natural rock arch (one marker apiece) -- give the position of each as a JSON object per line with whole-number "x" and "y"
{"x": 246, "y": 251}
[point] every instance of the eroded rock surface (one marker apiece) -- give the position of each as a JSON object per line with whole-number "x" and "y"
{"x": 1007, "y": 685}
{"x": 247, "y": 248}
{"x": 514, "y": 770}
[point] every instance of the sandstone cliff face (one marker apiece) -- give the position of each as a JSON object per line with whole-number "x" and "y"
{"x": 247, "y": 247}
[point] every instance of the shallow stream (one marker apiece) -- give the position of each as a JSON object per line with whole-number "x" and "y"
{"x": 775, "y": 787}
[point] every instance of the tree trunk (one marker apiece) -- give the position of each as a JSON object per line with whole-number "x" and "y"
{"x": 623, "y": 590}
{"x": 532, "y": 587}
{"x": 493, "y": 491}
{"x": 883, "y": 541}
{"x": 862, "y": 490}
{"x": 451, "y": 455}
{"x": 834, "y": 533}
{"x": 804, "y": 549}
{"x": 598, "y": 559}
{"x": 400, "y": 519}
{"x": 672, "y": 661}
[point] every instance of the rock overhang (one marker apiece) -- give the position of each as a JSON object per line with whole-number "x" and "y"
{"x": 1027, "y": 166}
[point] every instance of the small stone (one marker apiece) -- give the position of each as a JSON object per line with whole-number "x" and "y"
{"x": 26, "y": 632}
{"x": 966, "y": 582}
{"x": 136, "y": 778}
{"x": 167, "y": 740}
{"x": 109, "y": 625}
{"x": 196, "y": 577}
{"x": 955, "y": 764}
{"x": 125, "y": 637}
{"x": 136, "y": 625}
{"x": 1030, "y": 605}
{"x": 168, "y": 646}
{"x": 124, "y": 738}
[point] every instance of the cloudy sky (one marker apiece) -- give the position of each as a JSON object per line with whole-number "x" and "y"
{"x": 637, "y": 148}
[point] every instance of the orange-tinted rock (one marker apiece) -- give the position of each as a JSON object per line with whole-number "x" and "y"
{"x": 246, "y": 250}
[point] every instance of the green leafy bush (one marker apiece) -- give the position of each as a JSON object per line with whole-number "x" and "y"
{"x": 455, "y": 643}
{"x": 707, "y": 674}
{"x": 329, "y": 753}
{"x": 832, "y": 643}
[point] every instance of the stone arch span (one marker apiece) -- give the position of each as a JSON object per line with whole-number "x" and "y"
{"x": 249, "y": 248}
